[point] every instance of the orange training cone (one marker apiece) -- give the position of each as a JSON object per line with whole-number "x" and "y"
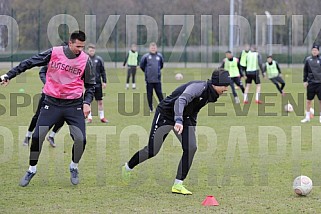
{"x": 210, "y": 201}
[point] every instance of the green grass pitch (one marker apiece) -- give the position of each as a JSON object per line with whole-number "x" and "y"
{"x": 246, "y": 158}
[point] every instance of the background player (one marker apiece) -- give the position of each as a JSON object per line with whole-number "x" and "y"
{"x": 132, "y": 62}
{"x": 99, "y": 70}
{"x": 312, "y": 80}
{"x": 151, "y": 64}
{"x": 253, "y": 65}
{"x": 232, "y": 65}
{"x": 273, "y": 72}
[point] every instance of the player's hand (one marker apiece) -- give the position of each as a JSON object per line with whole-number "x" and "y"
{"x": 305, "y": 84}
{"x": 86, "y": 109}
{"x": 104, "y": 85}
{"x": 178, "y": 128}
{"x": 4, "y": 80}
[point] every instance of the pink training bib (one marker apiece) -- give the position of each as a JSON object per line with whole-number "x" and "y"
{"x": 63, "y": 78}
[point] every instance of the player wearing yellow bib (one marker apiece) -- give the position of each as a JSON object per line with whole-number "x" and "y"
{"x": 253, "y": 65}
{"x": 232, "y": 65}
{"x": 132, "y": 63}
{"x": 243, "y": 57}
{"x": 273, "y": 72}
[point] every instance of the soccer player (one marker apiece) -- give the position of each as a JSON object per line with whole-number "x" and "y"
{"x": 69, "y": 71}
{"x": 178, "y": 112}
{"x": 151, "y": 64}
{"x": 132, "y": 62}
{"x": 232, "y": 65}
{"x": 32, "y": 125}
{"x": 312, "y": 80}
{"x": 253, "y": 64}
{"x": 243, "y": 58}
{"x": 101, "y": 80}
{"x": 273, "y": 71}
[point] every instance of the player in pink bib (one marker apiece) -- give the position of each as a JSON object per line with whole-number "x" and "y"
{"x": 69, "y": 72}
{"x": 64, "y": 75}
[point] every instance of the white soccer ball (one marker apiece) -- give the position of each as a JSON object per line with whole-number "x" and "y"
{"x": 179, "y": 76}
{"x": 288, "y": 107}
{"x": 302, "y": 185}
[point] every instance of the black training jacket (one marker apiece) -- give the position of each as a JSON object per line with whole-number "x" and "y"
{"x": 42, "y": 59}
{"x": 187, "y": 100}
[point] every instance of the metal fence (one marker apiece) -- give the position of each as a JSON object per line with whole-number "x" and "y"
{"x": 180, "y": 38}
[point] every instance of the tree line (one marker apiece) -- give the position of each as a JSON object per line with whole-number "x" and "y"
{"x": 33, "y": 17}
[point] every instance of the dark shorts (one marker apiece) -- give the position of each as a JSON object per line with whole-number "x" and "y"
{"x": 253, "y": 76}
{"x": 312, "y": 90}
{"x": 99, "y": 92}
{"x": 243, "y": 69}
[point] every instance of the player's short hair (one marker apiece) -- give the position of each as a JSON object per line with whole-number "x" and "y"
{"x": 228, "y": 52}
{"x": 90, "y": 45}
{"x": 78, "y": 35}
{"x": 152, "y": 44}
{"x": 270, "y": 56}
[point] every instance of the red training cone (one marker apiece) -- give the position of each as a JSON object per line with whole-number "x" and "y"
{"x": 210, "y": 201}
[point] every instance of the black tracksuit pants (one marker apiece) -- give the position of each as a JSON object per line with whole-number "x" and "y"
{"x": 158, "y": 89}
{"x": 276, "y": 81}
{"x": 49, "y": 115}
{"x": 238, "y": 82}
{"x": 131, "y": 72}
{"x": 159, "y": 130}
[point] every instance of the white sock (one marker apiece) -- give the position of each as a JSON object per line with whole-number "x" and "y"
{"x": 133, "y": 85}
{"x": 245, "y": 97}
{"x": 29, "y": 134}
{"x": 73, "y": 165}
{"x": 127, "y": 85}
{"x": 257, "y": 96}
{"x": 101, "y": 114}
{"x": 33, "y": 169}
{"x": 127, "y": 167}
{"x": 307, "y": 115}
{"x": 178, "y": 181}
{"x": 52, "y": 134}
{"x": 90, "y": 116}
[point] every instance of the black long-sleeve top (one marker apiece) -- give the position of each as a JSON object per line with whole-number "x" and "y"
{"x": 43, "y": 58}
